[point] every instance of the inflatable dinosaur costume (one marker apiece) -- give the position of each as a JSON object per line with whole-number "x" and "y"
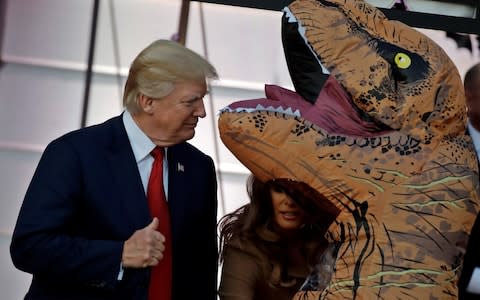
{"x": 382, "y": 139}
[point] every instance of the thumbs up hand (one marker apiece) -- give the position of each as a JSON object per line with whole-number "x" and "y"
{"x": 144, "y": 248}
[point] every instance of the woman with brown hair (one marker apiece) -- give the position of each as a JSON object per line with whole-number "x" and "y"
{"x": 269, "y": 246}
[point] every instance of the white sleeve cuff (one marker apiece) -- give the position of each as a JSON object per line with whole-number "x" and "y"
{"x": 120, "y": 273}
{"x": 474, "y": 283}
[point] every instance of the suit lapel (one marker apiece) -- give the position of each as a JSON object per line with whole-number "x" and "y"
{"x": 127, "y": 179}
{"x": 177, "y": 185}
{"x": 172, "y": 176}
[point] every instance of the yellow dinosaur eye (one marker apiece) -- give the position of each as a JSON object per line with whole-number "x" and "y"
{"x": 402, "y": 60}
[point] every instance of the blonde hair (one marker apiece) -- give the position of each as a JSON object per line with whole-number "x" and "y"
{"x": 158, "y": 67}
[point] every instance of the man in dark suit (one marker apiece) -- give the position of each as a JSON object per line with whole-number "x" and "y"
{"x": 469, "y": 283}
{"x": 85, "y": 229}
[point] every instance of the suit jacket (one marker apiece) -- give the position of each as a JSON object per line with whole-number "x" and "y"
{"x": 470, "y": 262}
{"x": 86, "y": 198}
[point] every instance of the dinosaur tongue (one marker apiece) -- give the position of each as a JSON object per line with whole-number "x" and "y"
{"x": 335, "y": 112}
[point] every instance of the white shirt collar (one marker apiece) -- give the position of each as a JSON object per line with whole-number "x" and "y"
{"x": 475, "y": 134}
{"x": 140, "y": 142}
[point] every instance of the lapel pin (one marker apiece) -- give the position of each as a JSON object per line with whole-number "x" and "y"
{"x": 180, "y": 167}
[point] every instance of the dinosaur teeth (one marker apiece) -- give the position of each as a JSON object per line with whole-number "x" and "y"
{"x": 243, "y": 109}
{"x": 236, "y": 110}
{"x": 280, "y": 109}
{"x": 290, "y": 16}
{"x": 288, "y": 111}
{"x": 225, "y": 109}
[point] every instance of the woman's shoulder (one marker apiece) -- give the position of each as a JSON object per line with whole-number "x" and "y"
{"x": 257, "y": 242}
{"x": 261, "y": 248}
{"x": 246, "y": 245}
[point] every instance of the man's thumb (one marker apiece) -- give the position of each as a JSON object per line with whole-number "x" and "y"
{"x": 154, "y": 224}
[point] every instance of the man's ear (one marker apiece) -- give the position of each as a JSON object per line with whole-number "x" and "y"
{"x": 145, "y": 103}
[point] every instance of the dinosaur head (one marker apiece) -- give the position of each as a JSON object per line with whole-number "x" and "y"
{"x": 357, "y": 75}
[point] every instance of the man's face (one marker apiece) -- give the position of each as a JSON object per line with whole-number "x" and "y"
{"x": 175, "y": 116}
{"x": 472, "y": 95}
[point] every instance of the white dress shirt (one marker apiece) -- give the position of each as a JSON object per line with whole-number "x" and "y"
{"x": 142, "y": 146}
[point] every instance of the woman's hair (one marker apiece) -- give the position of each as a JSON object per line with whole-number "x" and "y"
{"x": 158, "y": 67}
{"x": 244, "y": 222}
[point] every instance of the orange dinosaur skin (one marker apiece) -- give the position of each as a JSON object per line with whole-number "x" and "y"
{"x": 408, "y": 196}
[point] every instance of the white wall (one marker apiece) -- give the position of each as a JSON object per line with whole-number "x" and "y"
{"x": 41, "y": 85}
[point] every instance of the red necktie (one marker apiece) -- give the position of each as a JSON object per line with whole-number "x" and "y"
{"x": 161, "y": 274}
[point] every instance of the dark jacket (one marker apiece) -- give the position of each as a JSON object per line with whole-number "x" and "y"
{"x": 470, "y": 262}
{"x": 86, "y": 198}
